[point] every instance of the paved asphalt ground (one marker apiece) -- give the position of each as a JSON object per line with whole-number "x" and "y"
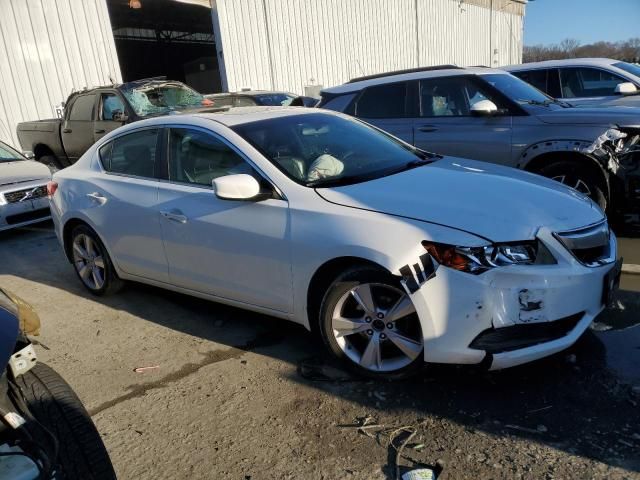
{"x": 244, "y": 396}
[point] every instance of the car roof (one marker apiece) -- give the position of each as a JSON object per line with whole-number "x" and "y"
{"x": 403, "y": 77}
{"x": 602, "y": 62}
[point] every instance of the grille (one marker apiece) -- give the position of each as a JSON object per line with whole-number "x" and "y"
{"x": 505, "y": 339}
{"x": 590, "y": 245}
{"x": 26, "y": 194}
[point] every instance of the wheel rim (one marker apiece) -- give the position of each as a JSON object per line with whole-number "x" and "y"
{"x": 89, "y": 262}
{"x": 377, "y": 327}
{"x": 573, "y": 182}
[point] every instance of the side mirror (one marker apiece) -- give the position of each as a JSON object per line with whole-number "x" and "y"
{"x": 119, "y": 116}
{"x": 484, "y": 108}
{"x": 625, "y": 88}
{"x": 29, "y": 155}
{"x": 239, "y": 186}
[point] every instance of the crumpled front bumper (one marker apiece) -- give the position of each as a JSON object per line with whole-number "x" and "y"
{"x": 455, "y": 308}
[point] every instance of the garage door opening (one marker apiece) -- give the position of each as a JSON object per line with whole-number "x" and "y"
{"x": 172, "y": 38}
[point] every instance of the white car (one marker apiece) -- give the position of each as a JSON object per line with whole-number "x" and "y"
{"x": 23, "y": 189}
{"x": 393, "y": 256}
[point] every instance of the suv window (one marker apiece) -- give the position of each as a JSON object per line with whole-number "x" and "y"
{"x": 112, "y": 107}
{"x": 537, "y": 78}
{"x": 82, "y": 108}
{"x": 447, "y": 97}
{"x": 588, "y": 82}
{"x": 132, "y": 154}
{"x": 384, "y": 101}
{"x": 197, "y": 157}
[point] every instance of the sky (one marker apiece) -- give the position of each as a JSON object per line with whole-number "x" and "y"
{"x": 551, "y": 21}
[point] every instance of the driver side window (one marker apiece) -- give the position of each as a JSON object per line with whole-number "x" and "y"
{"x": 197, "y": 158}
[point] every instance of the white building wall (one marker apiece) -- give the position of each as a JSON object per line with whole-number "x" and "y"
{"x": 287, "y": 44}
{"x": 48, "y": 48}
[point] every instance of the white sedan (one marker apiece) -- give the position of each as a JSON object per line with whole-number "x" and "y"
{"x": 394, "y": 256}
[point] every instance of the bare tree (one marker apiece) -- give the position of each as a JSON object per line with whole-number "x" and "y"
{"x": 628, "y": 50}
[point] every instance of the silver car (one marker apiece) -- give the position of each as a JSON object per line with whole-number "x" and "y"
{"x": 489, "y": 115}
{"x": 23, "y": 189}
{"x": 584, "y": 81}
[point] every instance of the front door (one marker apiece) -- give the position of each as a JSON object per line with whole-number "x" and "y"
{"x": 239, "y": 250}
{"x": 446, "y": 125}
{"x": 111, "y": 112}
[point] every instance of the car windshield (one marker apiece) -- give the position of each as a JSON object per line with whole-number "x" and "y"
{"x": 517, "y": 90}
{"x": 8, "y": 154}
{"x": 154, "y": 98}
{"x": 628, "y": 67}
{"x": 281, "y": 99}
{"x": 323, "y": 150}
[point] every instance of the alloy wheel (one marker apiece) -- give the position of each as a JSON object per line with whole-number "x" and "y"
{"x": 573, "y": 182}
{"x": 377, "y": 327}
{"x": 88, "y": 261}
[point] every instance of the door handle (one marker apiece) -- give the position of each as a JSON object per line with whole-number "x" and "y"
{"x": 97, "y": 197}
{"x": 428, "y": 128}
{"x": 66, "y": 130}
{"x": 98, "y": 131}
{"x": 175, "y": 216}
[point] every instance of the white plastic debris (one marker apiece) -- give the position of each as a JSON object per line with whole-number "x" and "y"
{"x": 420, "y": 474}
{"x": 611, "y": 135}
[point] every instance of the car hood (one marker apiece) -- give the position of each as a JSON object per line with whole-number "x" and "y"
{"x": 498, "y": 203}
{"x": 605, "y": 116}
{"x": 23, "y": 171}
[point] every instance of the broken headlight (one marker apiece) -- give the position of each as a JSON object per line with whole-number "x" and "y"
{"x": 477, "y": 260}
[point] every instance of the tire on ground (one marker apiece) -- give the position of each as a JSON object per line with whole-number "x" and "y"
{"x": 112, "y": 283}
{"x": 342, "y": 284}
{"x": 82, "y": 454}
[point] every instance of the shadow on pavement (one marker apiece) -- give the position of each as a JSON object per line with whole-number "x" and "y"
{"x": 576, "y": 401}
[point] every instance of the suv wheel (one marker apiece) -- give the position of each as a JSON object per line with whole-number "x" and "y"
{"x": 575, "y": 175}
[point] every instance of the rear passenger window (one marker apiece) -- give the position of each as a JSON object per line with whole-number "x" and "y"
{"x": 197, "y": 157}
{"x": 132, "y": 154}
{"x": 384, "y": 101}
{"x": 82, "y": 108}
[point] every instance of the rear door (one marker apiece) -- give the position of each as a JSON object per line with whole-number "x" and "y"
{"x": 123, "y": 202}
{"x": 390, "y": 107}
{"x": 446, "y": 125}
{"x": 77, "y": 127}
{"x": 111, "y": 114}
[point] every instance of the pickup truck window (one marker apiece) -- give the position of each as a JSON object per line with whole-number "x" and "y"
{"x": 82, "y": 108}
{"x": 112, "y": 107}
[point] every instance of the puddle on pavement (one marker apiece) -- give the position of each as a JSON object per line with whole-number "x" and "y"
{"x": 619, "y": 330}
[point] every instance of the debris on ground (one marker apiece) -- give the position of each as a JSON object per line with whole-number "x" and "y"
{"x": 144, "y": 369}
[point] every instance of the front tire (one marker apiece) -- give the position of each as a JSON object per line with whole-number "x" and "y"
{"x": 52, "y": 162}
{"x": 579, "y": 177}
{"x": 92, "y": 262}
{"x": 81, "y": 454}
{"x": 368, "y": 321}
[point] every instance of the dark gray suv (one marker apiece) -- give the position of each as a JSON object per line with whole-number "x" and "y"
{"x": 490, "y": 115}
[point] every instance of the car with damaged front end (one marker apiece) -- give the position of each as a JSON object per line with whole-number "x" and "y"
{"x": 392, "y": 255}
{"x": 489, "y": 115}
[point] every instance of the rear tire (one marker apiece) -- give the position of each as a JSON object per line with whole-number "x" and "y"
{"x": 52, "y": 162}
{"x": 82, "y": 454}
{"x": 92, "y": 263}
{"x": 580, "y": 177}
{"x": 379, "y": 341}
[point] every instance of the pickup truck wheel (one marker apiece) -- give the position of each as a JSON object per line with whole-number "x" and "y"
{"x": 52, "y": 162}
{"x": 52, "y": 402}
{"x": 575, "y": 175}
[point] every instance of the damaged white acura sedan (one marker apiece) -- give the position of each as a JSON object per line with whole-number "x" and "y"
{"x": 392, "y": 255}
